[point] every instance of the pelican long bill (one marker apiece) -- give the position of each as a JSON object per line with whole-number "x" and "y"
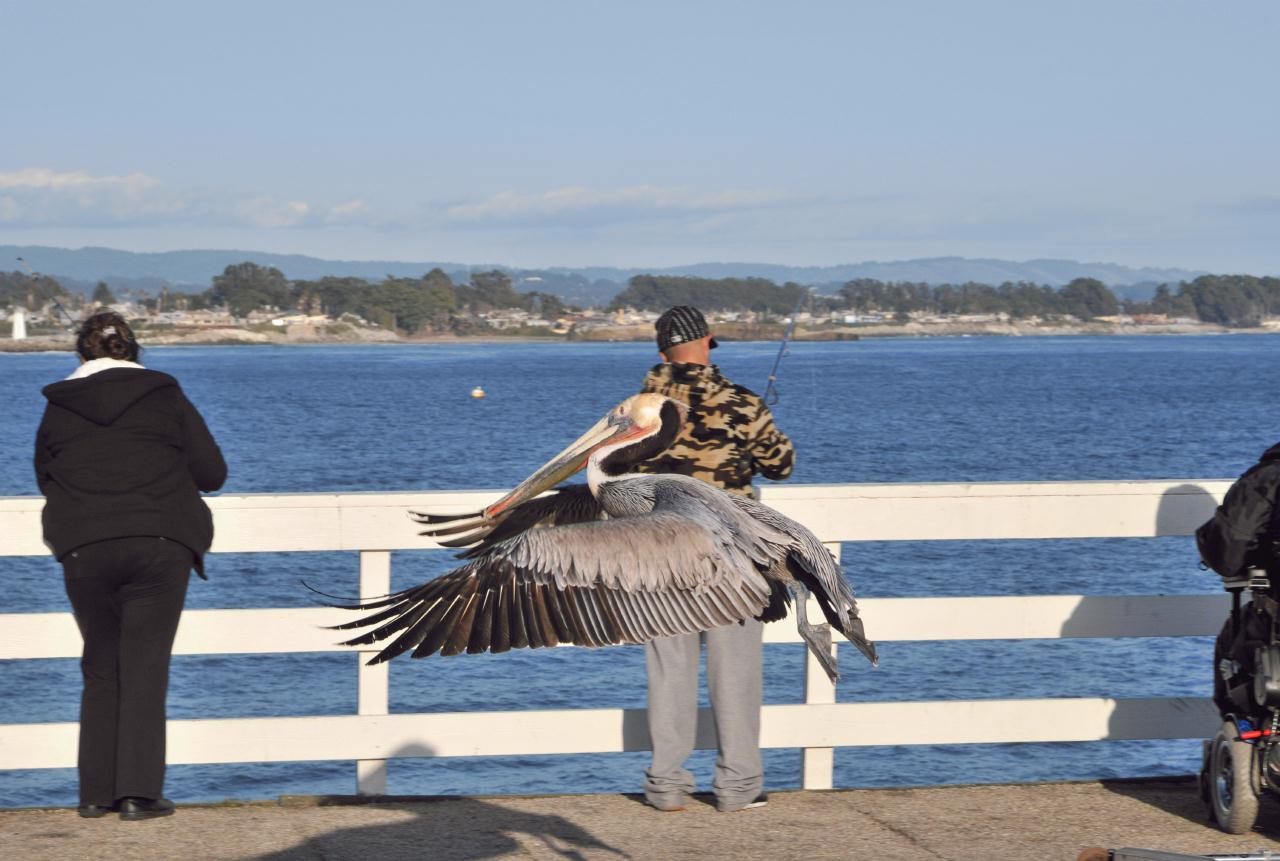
{"x": 617, "y": 426}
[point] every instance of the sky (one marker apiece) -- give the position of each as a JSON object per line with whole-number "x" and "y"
{"x": 647, "y": 134}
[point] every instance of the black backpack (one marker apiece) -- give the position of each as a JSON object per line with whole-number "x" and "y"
{"x": 1243, "y": 531}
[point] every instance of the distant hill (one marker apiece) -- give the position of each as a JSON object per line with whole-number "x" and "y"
{"x": 190, "y": 271}
{"x": 195, "y": 269}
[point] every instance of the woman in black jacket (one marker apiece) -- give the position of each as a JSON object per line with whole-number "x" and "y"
{"x": 121, "y": 456}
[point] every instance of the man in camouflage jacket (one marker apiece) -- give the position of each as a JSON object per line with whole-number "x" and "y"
{"x": 728, "y": 437}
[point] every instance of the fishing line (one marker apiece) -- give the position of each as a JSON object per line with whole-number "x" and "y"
{"x": 771, "y": 389}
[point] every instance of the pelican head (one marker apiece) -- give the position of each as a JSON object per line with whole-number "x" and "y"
{"x": 635, "y": 430}
{"x": 639, "y": 428}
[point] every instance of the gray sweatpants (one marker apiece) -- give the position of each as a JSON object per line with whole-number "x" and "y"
{"x": 734, "y": 684}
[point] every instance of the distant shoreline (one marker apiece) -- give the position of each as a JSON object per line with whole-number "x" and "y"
{"x": 644, "y": 333}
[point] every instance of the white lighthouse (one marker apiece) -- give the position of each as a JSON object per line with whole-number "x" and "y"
{"x": 19, "y": 324}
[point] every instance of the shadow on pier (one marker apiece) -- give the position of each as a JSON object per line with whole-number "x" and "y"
{"x": 456, "y": 828}
{"x": 459, "y": 829}
{"x": 1179, "y": 797}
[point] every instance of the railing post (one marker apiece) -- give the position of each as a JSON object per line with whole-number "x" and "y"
{"x": 373, "y": 683}
{"x": 818, "y": 767}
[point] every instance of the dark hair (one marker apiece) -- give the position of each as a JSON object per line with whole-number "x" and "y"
{"x": 106, "y": 335}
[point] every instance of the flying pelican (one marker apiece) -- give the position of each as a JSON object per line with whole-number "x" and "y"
{"x": 626, "y": 558}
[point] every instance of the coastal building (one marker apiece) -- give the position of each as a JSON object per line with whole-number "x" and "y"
{"x": 855, "y": 318}
{"x": 514, "y": 319}
{"x": 627, "y": 317}
{"x": 203, "y": 318}
{"x": 301, "y": 320}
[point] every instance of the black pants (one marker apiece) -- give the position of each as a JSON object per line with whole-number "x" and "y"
{"x": 127, "y": 594}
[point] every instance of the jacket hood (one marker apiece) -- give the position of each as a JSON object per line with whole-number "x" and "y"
{"x": 1272, "y": 453}
{"x": 105, "y": 396}
{"x": 686, "y": 383}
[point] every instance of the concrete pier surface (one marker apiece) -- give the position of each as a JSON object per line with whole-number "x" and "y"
{"x": 1039, "y": 822}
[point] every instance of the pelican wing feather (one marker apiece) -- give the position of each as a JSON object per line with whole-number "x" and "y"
{"x": 606, "y": 582}
{"x": 814, "y": 566}
{"x": 569, "y": 504}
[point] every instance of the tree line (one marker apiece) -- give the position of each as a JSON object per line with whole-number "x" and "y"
{"x": 659, "y": 292}
{"x": 434, "y": 303}
{"x": 1227, "y": 300}
{"x": 1084, "y": 298}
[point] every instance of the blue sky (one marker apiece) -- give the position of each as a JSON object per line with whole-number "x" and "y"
{"x": 577, "y": 133}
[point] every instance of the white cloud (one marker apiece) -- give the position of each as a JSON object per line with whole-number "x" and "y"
{"x": 40, "y": 197}
{"x": 350, "y": 212}
{"x": 266, "y": 212}
{"x": 580, "y": 205}
{"x": 79, "y": 181}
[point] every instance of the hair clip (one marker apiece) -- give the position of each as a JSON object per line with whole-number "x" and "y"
{"x": 109, "y": 330}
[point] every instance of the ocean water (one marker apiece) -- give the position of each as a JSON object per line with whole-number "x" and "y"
{"x": 911, "y": 410}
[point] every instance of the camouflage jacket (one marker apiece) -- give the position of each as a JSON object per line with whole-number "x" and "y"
{"x": 729, "y": 435}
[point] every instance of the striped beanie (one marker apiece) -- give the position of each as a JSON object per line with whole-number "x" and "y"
{"x": 680, "y": 325}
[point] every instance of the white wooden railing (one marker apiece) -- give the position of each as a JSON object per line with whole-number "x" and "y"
{"x": 375, "y": 524}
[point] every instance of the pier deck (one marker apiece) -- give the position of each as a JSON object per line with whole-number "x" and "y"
{"x": 1043, "y": 822}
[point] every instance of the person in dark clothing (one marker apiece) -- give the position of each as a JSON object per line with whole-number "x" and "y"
{"x": 1244, "y": 533}
{"x": 121, "y": 456}
{"x": 728, "y": 438}
{"x": 1245, "y": 529}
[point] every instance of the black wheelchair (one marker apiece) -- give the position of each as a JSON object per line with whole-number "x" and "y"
{"x": 1241, "y": 764}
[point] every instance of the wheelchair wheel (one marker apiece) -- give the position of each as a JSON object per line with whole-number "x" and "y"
{"x": 1233, "y": 781}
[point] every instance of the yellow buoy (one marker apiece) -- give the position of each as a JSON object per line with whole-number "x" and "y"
{"x": 477, "y": 392}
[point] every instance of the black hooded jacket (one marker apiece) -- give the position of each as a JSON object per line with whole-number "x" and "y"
{"x": 123, "y": 453}
{"x": 1245, "y": 529}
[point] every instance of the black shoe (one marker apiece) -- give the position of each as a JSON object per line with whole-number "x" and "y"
{"x": 133, "y": 809}
{"x": 93, "y": 811}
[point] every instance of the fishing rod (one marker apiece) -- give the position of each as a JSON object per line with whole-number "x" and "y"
{"x": 31, "y": 273}
{"x": 771, "y": 390}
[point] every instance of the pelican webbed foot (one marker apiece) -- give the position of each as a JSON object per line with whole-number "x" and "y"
{"x": 817, "y": 638}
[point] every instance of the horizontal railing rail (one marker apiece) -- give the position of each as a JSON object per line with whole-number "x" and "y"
{"x": 374, "y": 524}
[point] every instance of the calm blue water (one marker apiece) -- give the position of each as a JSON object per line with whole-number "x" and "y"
{"x": 955, "y": 409}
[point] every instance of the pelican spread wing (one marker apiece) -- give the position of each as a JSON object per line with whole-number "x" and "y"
{"x": 674, "y": 556}
{"x": 591, "y": 584}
